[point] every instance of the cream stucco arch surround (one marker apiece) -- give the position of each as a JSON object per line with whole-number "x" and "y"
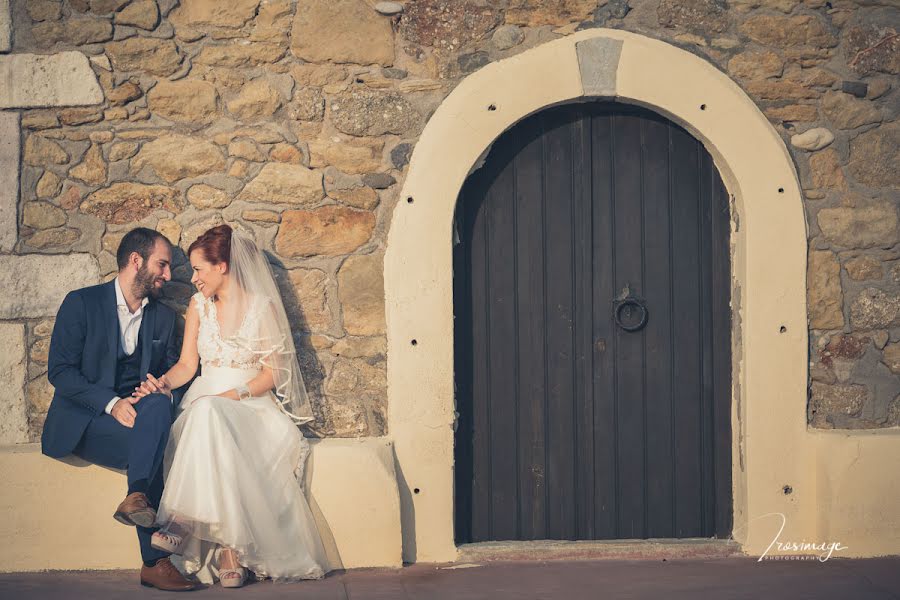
{"x": 768, "y": 254}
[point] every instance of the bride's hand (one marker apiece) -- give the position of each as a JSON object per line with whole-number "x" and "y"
{"x": 153, "y": 386}
{"x": 142, "y": 390}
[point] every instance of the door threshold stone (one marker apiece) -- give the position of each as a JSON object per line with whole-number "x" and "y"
{"x": 654, "y": 549}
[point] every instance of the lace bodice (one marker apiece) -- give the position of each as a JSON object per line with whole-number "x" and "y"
{"x": 216, "y": 351}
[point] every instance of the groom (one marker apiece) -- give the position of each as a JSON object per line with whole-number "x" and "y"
{"x": 105, "y": 341}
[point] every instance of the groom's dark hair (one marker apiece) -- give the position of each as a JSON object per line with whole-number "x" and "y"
{"x": 140, "y": 240}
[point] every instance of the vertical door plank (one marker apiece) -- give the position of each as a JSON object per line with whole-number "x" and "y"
{"x": 658, "y": 333}
{"x": 629, "y": 347}
{"x": 502, "y": 334}
{"x": 481, "y": 434}
{"x": 686, "y": 310}
{"x": 559, "y": 315}
{"x": 604, "y": 238}
{"x": 707, "y": 479}
{"x": 531, "y": 333}
{"x": 584, "y": 406}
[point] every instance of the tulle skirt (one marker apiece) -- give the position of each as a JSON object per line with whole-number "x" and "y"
{"x": 233, "y": 478}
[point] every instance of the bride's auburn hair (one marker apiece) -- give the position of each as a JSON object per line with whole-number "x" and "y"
{"x": 215, "y": 244}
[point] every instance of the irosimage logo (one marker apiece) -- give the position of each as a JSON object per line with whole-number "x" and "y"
{"x": 820, "y": 551}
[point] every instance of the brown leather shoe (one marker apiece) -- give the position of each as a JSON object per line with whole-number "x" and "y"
{"x": 135, "y": 509}
{"x": 164, "y": 576}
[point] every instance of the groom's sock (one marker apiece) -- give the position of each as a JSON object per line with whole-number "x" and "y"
{"x": 140, "y": 485}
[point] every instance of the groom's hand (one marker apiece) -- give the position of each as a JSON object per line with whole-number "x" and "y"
{"x": 123, "y": 412}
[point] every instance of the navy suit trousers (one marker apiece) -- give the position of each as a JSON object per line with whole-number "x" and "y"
{"x": 138, "y": 449}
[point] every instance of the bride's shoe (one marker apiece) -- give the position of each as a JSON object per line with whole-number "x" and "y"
{"x": 230, "y": 577}
{"x": 233, "y": 578}
{"x": 166, "y": 541}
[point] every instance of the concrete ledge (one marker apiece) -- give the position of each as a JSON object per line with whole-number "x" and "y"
{"x": 49, "y": 505}
{"x": 34, "y": 80}
{"x": 353, "y": 493}
{"x": 857, "y": 490}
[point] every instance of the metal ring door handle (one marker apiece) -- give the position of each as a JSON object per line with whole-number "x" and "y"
{"x": 630, "y": 304}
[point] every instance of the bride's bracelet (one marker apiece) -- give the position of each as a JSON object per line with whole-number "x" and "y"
{"x": 243, "y": 392}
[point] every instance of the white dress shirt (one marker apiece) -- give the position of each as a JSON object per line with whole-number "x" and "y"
{"x": 129, "y": 328}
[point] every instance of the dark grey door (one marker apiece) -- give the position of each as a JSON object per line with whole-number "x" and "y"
{"x": 592, "y": 333}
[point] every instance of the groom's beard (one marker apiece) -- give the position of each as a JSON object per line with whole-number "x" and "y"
{"x": 144, "y": 284}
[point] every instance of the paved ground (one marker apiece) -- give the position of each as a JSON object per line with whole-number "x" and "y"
{"x": 721, "y": 578}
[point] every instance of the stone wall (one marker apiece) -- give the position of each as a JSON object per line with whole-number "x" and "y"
{"x": 295, "y": 121}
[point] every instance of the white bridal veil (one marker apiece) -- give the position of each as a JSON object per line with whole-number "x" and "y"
{"x": 256, "y": 296}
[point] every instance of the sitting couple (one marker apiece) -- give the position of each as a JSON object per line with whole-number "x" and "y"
{"x": 232, "y": 461}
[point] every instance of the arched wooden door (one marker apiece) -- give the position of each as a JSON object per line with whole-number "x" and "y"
{"x": 592, "y": 333}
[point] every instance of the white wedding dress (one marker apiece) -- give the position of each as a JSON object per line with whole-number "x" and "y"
{"x": 234, "y": 469}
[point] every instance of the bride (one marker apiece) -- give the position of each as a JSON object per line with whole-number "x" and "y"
{"x": 234, "y": 462}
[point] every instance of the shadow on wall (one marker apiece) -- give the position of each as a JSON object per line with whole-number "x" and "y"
{"x": 310, "y": 367}
{"x": 407, "y": 513}
{"x": 328, "y": 541}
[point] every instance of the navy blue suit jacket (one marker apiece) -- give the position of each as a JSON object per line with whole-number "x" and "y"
{"x": 82, "y": 361}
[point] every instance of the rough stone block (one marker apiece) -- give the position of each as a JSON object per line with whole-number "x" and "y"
{"x": 5, "y": 27}
{"x": 341, "y": 31}
{"x": 855, "y": 88}
{"x": 363, "y": 112}
{"x": 13, "y": 418}
{"x": 326, "y": 231}
{"x": 64, "y": 79}
{"x": 825, "y": 297}
{"x": 361, "y": 290}
{"x": 9, "y": 178}
{"x": 34, "y": 285}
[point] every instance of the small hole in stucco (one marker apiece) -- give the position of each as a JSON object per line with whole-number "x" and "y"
{"x": 492, "y": 107}
{"x": 702, "y": 107}
{"x": 782, "y": 329}
{"x": 409, "y": 199}
{"x": 415, "y": 490}
{"x": 780, "y": 190}
{"x": 788, "y": 490}
{"x": 414, "y": 342}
